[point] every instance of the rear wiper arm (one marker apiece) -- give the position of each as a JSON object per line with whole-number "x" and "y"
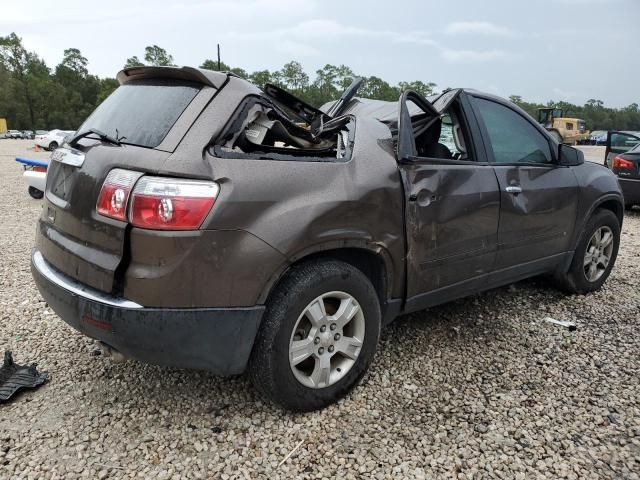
{"x": 103, "y": 136}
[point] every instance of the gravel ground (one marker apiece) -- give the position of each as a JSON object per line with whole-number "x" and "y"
{"x": 478, "y": 388}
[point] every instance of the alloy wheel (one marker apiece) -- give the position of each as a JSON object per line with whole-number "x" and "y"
{"x": 326, "y": 340}
{"x": 598, "y": 253}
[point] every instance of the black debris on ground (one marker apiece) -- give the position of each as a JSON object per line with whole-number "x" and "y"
{"x": 14, "y": 377}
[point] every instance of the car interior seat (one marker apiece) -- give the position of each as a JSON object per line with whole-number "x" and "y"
{"x": 429, "y": 146}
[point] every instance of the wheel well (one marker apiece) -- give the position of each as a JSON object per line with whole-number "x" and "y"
{"x": 615, "y": 206}
{"x": 368, "y": 262}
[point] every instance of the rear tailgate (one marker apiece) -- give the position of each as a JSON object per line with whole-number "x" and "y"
{"x": 73, "y": 237}
{"x": 150, "y": 116}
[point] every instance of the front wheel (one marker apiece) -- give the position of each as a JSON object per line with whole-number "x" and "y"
{"x": 53, "y": 146}
{"x": 318, "y": 336}
{"x": 595, "y": 254}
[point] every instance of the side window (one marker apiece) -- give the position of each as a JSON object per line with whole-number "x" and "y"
{"x": 513, "y": 139}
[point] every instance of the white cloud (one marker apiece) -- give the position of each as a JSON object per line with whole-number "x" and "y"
{"x": 326, "y": 30}
{"x": 478, "y": 28}
{"x": 565, "y": 94}
{"x": 588, "y": 2}
{"x": 31, "y": 12}
{"x": 296, "y": 49}
{"x": 472, "y": 56}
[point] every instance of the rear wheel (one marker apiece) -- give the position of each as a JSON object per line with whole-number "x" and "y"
{"x": 53, "y": 145}
{"x": 35, "y": 193}
{"x": 318, "y": 336}
{"x": 595, "y": 254}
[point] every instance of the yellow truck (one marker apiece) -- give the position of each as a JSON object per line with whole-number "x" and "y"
{"x": 568, "y": 130}
{"x": 3, "y": 125}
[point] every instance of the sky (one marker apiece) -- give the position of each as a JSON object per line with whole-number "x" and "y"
{"x": 571, "y": 50}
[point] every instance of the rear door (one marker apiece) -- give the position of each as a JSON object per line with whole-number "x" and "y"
{"x": 452, "y": 205}
{"x": 538, "y": 198}
{"x": 149, "y": 117}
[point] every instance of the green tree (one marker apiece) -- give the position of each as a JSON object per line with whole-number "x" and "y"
{"x": 75, "y": 62}
{"x": 133, "y": 62}
{"x": 213, "y": 65}
{"x": 260, "y": 78}
{"x": 29, "y": 76}
{"x": 157, "y": 56}
{"x": 424, "y": 89}
{"x": 294, "y": 77}
{"x": 378, "y": 89}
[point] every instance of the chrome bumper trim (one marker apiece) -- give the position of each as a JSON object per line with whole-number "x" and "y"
{"x": 76, "y": 287}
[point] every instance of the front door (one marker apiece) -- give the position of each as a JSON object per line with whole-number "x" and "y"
{"x": 452, "y": 198}
{"x": 538, "y": 197}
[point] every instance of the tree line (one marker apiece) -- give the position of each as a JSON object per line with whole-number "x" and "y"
{"x": 35, "y": 96}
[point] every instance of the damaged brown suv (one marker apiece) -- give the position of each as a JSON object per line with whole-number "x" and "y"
{"x": 198, "y": 221}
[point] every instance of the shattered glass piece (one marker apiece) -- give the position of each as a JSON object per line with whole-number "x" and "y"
{"x": 13, "y": 377}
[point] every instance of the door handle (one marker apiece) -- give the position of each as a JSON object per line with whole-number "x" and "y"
{"x": 423, "y": 197}
{"x": 514, "y": 189}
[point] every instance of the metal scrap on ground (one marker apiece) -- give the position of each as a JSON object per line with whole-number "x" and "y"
{"x": 569, "y": 325}
{"x": 14, "y": 377}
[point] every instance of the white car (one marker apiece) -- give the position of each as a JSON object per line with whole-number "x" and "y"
{"x": 13, "y": 134}
{"x": 53, "y": 139}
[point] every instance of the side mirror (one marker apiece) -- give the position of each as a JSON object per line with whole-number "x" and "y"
{"x": 569, "y": 156}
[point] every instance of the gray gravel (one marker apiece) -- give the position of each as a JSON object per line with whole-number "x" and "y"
{"x": 479, "y": 388}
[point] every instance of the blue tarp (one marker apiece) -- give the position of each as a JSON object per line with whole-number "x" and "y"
{"x": 33, "y": 163}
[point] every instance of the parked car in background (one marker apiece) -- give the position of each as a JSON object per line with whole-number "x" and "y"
{"x": 42, "y": 132}
{"x": 13, "y": 134}
{"x": 53, "y": 139}
{"x": 597, "y": 137}
{"x": 35, "y": 174}
{"x": 28, "y": 134}
{"x": 198, "y": 221}
{"x": 622, "y": 156}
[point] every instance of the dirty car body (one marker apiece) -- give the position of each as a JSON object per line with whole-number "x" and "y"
{"x": 290, "y": 187}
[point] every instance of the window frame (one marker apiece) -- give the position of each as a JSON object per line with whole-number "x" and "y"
{"x": 238, "y": 117}
{"x": 553, "y": 148}
{"x": 475, "y": 141}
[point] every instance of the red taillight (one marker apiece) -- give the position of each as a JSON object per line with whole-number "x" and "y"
{"x": 114, "y": 195}
{"x": 619, "y": 162}
{"x": 171, "y": 203}
{"x": 39, "y": 169}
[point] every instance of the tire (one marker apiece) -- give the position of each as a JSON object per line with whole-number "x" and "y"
{"x": 270, "y": 368}
{"x": 53, "y": 146}
{"x": 576, "y": 280}
{"x": 35, "y": 193}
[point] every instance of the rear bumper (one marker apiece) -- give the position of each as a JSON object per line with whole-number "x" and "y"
{"x": 630, "y": 190}
{"x": 215, "y": 339}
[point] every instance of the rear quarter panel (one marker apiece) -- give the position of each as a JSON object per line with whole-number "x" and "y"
{"x": 300, "y": 207}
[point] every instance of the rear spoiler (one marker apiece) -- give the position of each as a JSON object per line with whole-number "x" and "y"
{"x": 206, "y": 77}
